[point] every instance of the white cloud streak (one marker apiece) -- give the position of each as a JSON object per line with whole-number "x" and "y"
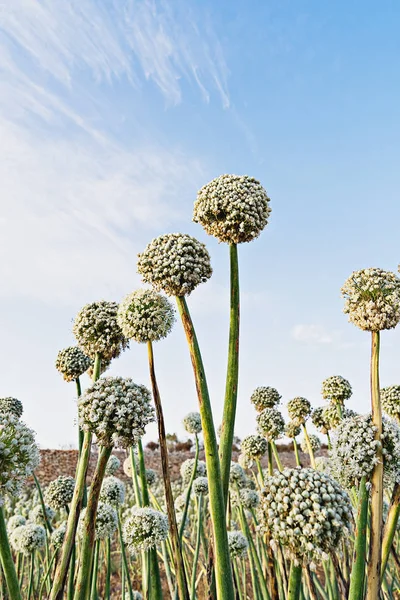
{"x": 312, "y": 334}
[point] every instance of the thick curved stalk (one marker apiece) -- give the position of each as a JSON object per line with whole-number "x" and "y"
{"x": 357, "y": 577}
{"x": 169, "y": 498}
{"x": 223, "y": 571}
{"x": 375, "y": 544}
{"x": 294, "y": 582}
{"x": 390, "y": 526}
{"x": 309, "y": 447}
{"x": 60, "y": 577}
{"x": 232, "y": 376}
{"x": 7, "y": 562}
{"x": 89, "y": 525}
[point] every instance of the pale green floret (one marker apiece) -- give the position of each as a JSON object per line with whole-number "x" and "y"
{"x": 390, "y": 398}
{"x": 175, "y": 263}
{"x": 254, "y": 446}
{"x": 232, "y": 208}
{"x": 372, "y": 299}
{"x": 265, "y": 397}
{"x": 336, "y": 389}
{"x": 28, "y": 538}
{"x": 112, "y": 491}
{"x": 192, "y": 423}
{"x": 59, "y": 492}
{"x": 249, "y": 498}
{"x": 238, "y": 544}
{"x": 306, "y": 512}
{"x": 187, "y": 470}
{"x": 19, "y": 454}
{"x": 36, "y": 515}
{"x": 299, "y": 409}
{"x": 57, "y": 535}
{"x": 117, "y": 410}
{"x": 200, "y": 486}
{"x": 72, "y": 363}
{"x": 271, "y": 424}
{"x": 145, "y": 315}
{"x": 151, "y": 477}
{"x": 11, "y": 406}
{"x": 237, "y": 476}
{"x": 145, "y": 528}
{"x": 97, "y": 331}
{"x": 106, "y": 522}
{"x": 314, "y": 441}
{"x": 113, "y": 465}
{"x": 292, "y": 430}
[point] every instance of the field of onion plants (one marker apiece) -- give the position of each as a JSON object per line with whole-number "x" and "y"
{"x": 226, "y": 530}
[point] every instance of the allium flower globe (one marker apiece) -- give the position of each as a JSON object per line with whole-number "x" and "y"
{"x": 19, "y": 454}
{"x": 315, "y": 443}
{"x": 237, "y": 476}
{"x": 249, "y": 498}
{"x": 72, "y": 363}
{"x": 292, "y": 430}
{"x": 175, "y": 263}
{"x": 106, "y": 522}
{"x": 254, "y": 446}
{"x": 192, "y": 423}
{"x": 11, "y": 406}
{"x": 36, "y": 515}
{"x": 97, "y": 331}
{"x": 28, "y": 538}
{"x": 372, "y": 299}
{"x": 59, "y": 492}
{"x": 232, "y": 208}
{"x": 151, "y": 477}
{"x": 306, "y": 512}
{"x": 265, "y": 397}
{"x": 113, "y": 465}
{"x": 238, "y": 544}
{"x": 145, "y": 315}
{"x": 14, "y": 522}
{"x": 200, "y": 486}
{"x": 390, "y": 398}
{"x": 299, "y": 409}
{"x": 336, "y": 389}
{"x": 187, "y": 469}
{"x": 145, "y": 528}
{"x": 112, "y": 491}
{"x": 58, "y": 535}
{"x": 271, "y": 423}
{"x": 117, "y": 410}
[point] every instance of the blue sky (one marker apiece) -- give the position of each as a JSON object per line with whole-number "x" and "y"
{"x": 113, "y": 114}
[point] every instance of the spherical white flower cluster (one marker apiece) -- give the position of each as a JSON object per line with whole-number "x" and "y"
{"x": 151, "y": 477}
{"x": 58, "y": 535}
{"x": 336, "y": 389}
{"x": 192, "y": 423}
{"x": 175, "y": 263}
{"x": 372, "y": 299}
{"x": 97, "y": 331}
{"x": 232, "y": 208}
{"x": 72, "y": 363}
{"x": 14, "y": 522}
{"x": 265, "y": 397}
{"x": 292, "y": 430}
{"x": 318, "y": 419}
{"x": 299, "y": 409}
{"x": 200, "y": 486}
{"x": 271, "y": 423}
{"x": 390, "y": 398}
{"x": 59, "y": 492}
{"x": 145, "y": 315}
{"x": 249, "y": 498}
{"x": 315, "y": 443}
{"x": 306, "y": 512}
{"x": 11, "y": 406}
{"x": 113, "y": 465}
{"x": 36, "y": 515}
{"x": 28, "y": 538}
{"x": 237, "y": 476}
{"x": 117, "y": 410}
{"x": 254, "y": 446}
{"x": 237, "y": 543}
{"x": 112, "y": 491}
{"x": 145, "y": 528}
{"x": 354, "y": 450}
{"x": 187, "y": 470}
{"x": 106, "y": 522}
{"x": 19, "y": 454}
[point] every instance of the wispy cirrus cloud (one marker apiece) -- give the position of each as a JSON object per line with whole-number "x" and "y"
{"x": 313, "y": 334}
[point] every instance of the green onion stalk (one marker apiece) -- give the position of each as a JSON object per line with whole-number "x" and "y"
{"x": 309, "y": 447}
{"x": 189, "y": 489}
{"x": 296, "y": 452}
{"x": 357, "y": 577}
{"x": 197, "y": 548}
{"x": 223, "y": 570}
{"x": 231, "y": 389}
{"x": 390, "y": 526}
{"x": 7, "y": 562}
{"x": 294, "y": 582}
{"x": 57, "y": 590}
{"x": 375, "y": 547}
{"x": 95, "y": 569}
{"x": 169, "y": 498}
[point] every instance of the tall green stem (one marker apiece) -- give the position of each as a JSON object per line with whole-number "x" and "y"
{"x": 7, "y": 562}
{"x": 197, "y": 549}
{"x": 309, "y": 447}
{"x": 375, "y": 548}
{"x": 232, "y": 376}
{"x": 223, "y": 571}
{"x": 169, "y": 498}
{"x": 296, "y": 452}
{"x": 294, "y": 582}
{"x": 357, "y": 577}
{"x": 93, "y": 593}
{"x": 89, "y": 525}
{"x": 189, "y": 490}
{"x": 390, "y": 526}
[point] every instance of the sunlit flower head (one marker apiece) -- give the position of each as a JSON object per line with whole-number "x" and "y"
{"x": 72, "y": 363}
{"x": 97, "y": 331}
{"x": 146, "y": 315}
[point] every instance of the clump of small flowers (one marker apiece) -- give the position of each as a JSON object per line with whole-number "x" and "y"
{"x": 238, "y": 544}
{"x": 237, "y": 476}
{"x": 19, "y": 454}
{"x": 354, "y": 450}
{"x": 72, "y": 363}
{"x": 314, "y": 441}
{"x": 254, "y": 446}
{"x": 292, "y": 430}
{"x": 59, "y": 492}
{"x": 113, "y": 465}
{"x": 232, "y": 208}
{"x": 306, "y": 512}
{"x": 11, "y": 406}
{"x": 117, "y": 410}
{"x": 151, "y": 477}
{"x": 390, "y": 398}
{"x": 192, "y": 423}
{"x": 200, "y": 486}
{"x": 372, "y": 299}
{"x": 265, "y": 397}
{"x": 175, "y": 263}
{"x": 145, "y": 315}
{"x": 336, "y": 389}
{"x": 14, "y": 522}
{"x": 57, "y": 535}
{"x": 97, "y": 331}
{"x": 112, "y": 491}
{"x": 249, "y": 498}
{"x": 36, "y": 515}
{"x": 145, "y": 528}
{"x": 28, "y": 538}
{"x": 106, "y": 522}
{"x": 245, "y": 461}
{"x": 271, "y": 423}
{"x": 180, "y": 501}
{"x": 299, "y": 409}
{"x": 187, "y": 469}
